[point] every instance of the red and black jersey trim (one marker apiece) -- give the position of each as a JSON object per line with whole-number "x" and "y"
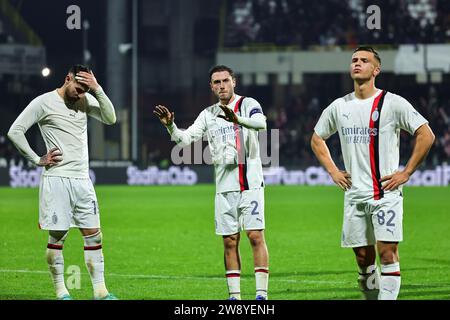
{"x": 374, "y": 145}
{"x": 240, "y": 146}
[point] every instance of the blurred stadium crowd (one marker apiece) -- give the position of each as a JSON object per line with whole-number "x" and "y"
{"x": 341, "y": 22}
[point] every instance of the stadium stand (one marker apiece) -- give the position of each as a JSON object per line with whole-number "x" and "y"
{"x": 341, "y": 23}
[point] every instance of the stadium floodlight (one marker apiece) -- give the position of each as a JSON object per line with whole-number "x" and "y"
{"x": 125, "y": 47}
{"x": 45, "y": 72}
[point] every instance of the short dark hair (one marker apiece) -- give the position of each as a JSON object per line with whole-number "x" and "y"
{"x": 220, "y": 68}
{"x": 77, "y": 68}
{"x": 369, "y": 49}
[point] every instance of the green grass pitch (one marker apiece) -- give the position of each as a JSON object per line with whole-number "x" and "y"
{"x": 159, "y": 243}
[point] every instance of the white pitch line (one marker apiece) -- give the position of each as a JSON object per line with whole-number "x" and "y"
{"x": 173, "y": 277}
{"x": 169, "y": 277}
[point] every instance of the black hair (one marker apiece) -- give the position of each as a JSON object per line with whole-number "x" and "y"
{"x": 220, "y": 68}
{"x": 77, "y": 68}
{"x": 369, "y": 49}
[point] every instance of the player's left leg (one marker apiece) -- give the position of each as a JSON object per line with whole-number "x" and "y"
{"x": 86, "y": 217}
{"x": 390, "y": 270}
{"x": 93, "y": 257}
{"x": 261, "y": 262}
{"x": 387, "y": 220}
{"x": 253, "y": 221}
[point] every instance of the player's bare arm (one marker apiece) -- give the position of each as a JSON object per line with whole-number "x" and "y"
{"x": 87, "y": 79}
{"x": 424, "y": 140}
{"x": 229, "y": 114}
{"x": 320, "y": 149}
{"x": 165, "y": 116}
{"x": 53, "y": 157}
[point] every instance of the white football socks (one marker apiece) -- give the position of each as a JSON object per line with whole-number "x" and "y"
{"x": 55, "y": 262}
{"x": 262, "y": 281}
{"x": 390, "y": 281}
{"x": 93, "y": 257}
{"x": 234, "y": 283}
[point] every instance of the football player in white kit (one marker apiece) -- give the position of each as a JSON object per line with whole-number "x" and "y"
{"x": 369, "y": 121}
{"x": 231, "y": 126}
{"x": 66, "y": 195}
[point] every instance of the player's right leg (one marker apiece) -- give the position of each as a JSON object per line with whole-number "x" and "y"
{"x": 54, "y": 216}
{"x": 358, "y": 234}
{"x": 226, "y": 221}
{"x": 232, "y": 262}
{"x": 55, "y": 262}
{"x": 369, "y": 277}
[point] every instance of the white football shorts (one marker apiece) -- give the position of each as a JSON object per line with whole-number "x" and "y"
{"x": 236, "y": 211}
{"x": 373, "y": 220}
{"x": 65, "y": 203}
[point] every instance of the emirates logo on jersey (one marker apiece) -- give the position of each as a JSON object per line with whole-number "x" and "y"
{"x": 358, "y": 135}
{"x": 362, "y": 131}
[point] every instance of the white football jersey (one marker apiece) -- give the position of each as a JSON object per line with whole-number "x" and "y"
{"x": 63, "y": 128}
{"x": 234, "y": 148}
{"x": 369, "y": 133}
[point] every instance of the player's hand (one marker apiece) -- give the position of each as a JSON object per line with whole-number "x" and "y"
{"x": 87, "y": 79}
{"x": 394, "y": 180}
{"x": 53, "y": 157}
{"x": 229, "y": 114}
{"x": 165, "y": 116}
{"x": 342, "y": 179}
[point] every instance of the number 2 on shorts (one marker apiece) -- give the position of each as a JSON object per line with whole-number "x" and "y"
{"x": 255, "y": 203}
